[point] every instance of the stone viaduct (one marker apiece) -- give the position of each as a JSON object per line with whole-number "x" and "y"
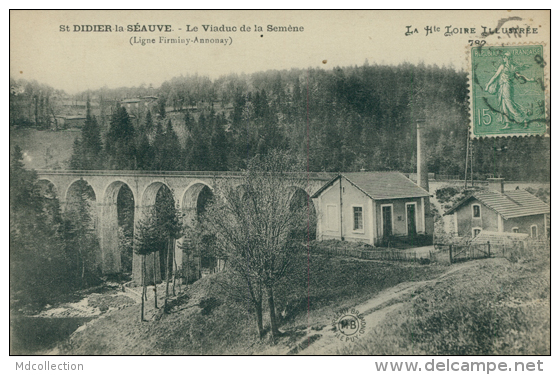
{"x": 144, "y": 185}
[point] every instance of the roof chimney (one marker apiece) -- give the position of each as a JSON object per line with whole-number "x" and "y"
{"x": 496, "y": 184}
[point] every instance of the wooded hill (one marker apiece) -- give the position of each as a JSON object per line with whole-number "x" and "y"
{"x": 343, "y": 119}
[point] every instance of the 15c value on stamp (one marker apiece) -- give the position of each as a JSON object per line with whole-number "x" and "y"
{"x": 508, "y": 90}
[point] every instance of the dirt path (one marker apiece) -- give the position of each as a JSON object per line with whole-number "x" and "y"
{"x": 373, "y": 311}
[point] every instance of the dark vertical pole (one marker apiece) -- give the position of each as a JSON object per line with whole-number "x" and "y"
{"x": 341, "y": 223}
{"x": 450, "y": 253}
{"x": 423, "y": 178}
{"x": 467, "y": 160}
{"x": 421, "y": 162}
{"x": 471, "y": 151}
{"x": 488, "y": 244}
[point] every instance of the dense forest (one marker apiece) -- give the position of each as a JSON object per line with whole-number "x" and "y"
{"x": 50, "y": 253}
{"x": 344, "y": 119}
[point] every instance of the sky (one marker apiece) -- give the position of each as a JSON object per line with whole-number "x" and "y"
{"x": 77, "y": 61}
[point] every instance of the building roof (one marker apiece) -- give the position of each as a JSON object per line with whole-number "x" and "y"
{"x": 498, "y": 237}
{"x": 380, "y": 185}
{"x": 510, "y": 204}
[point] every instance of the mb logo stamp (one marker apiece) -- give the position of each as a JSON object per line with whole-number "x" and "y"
{"x": 349, "y": 325}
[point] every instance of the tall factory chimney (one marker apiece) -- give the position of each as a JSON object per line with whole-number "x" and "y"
{"x": 422, "y": 175}
{"x": 421, "y": 166}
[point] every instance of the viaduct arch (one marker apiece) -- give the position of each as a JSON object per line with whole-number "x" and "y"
{"x": 187, "y": 188}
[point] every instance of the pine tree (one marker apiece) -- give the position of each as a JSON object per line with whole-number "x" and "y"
{"x": 189, "y": 121}
{"x": 119, "y": 147}
{"x": 92, "y": 146}
{"x": 173, "y": 153}
{"x": 77, "y": 159}
{"x": 145, "y": 158}
{"x": 146, "y": 238}
{"x": 149, "y": 123}
{"x": 158, "y": 147}
{"x": 39, "y": 267}
{"x": 170, "y": 227}
{"x": 198, "y": 145}
{"x": 220, "y": 143}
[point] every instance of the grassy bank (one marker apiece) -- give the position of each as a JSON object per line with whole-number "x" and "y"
{"x": 44, "y": 148}
{"x": 208, "y": 321}
{"x": 493, "y": 307}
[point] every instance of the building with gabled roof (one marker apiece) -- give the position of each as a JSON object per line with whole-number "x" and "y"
{"x": 372, "y": 207}
{"x": 496, "y": 210}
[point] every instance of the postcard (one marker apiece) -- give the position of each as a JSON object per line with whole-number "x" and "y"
{"x": 312, "y": 182}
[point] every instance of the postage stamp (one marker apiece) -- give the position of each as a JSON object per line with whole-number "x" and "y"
{"x": 508, "y": 90}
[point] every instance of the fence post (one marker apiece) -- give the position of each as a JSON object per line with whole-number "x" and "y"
{"x": 488, "y": 243}
{"x": 450, "y": 253}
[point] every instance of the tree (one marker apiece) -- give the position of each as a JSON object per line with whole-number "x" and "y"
{"x": 149, "y": 123}
{"x": 146, "y": 239}
{"x": 77, "y": 159}
{"x": 119, "y": 146}
{"x": 91, "y": 141}
{"x": 169, "y": 224}
{"x": 197, "y": 145}
{"x": 158, "y": 148}
{"x": 87, "y": 151}
{"x": 146, "y": 155}
{"x": 156, "y": 234}
{"x": 80, "y": 236}
{"x": 217, "y": 159}
{"x": 168, "y": 154}
{"x": 173, "y": 152}
{"x": 162, "y": 100}
{"x": 254, "y": 226}
{"x": 39, "y": 266}
{"x": 125, "y": 219}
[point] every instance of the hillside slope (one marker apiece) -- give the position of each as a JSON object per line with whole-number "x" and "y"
{"x": 44, "y": 148}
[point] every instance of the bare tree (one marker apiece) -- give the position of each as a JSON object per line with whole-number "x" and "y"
{"x": 257, "y": 226}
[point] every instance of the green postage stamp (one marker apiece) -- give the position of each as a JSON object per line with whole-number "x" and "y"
{"x": 508, "y": 90}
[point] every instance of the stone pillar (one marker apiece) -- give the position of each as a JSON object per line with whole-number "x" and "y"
{"x": 190, "y": 258}
{"x": 98, "y": 231}
{"x": 109, "y": 239}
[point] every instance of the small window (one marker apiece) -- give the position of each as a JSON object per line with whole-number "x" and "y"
{"x": 358, "y": 218}
{"x": 476, "y": 232}
{"x": 476, "y": 211}
{"x": 515, "y": 230}
{"x": 534, "y": 231}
